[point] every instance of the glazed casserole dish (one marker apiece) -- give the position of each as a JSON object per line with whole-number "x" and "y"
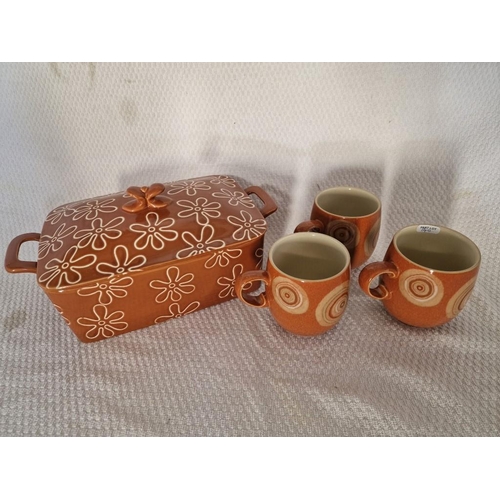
{"x": 128, "y": 260}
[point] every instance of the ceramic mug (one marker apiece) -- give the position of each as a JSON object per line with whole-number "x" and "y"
{"x": 307, "y": 283}
{"x": 427, "y": 275}
{"x": 351, "y": 215}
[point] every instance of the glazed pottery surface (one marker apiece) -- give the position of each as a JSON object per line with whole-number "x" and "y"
{"x": 124, "y": 261}
{"x": 350, "y": 215}
{"x": 307, "y": 283}
{"x": 427, "y": 275}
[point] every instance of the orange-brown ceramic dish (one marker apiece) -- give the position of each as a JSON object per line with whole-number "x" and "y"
{"x": 124, "y": 261}
{"x": 351, "y": 215}
{"x": 427, "y": 275}
{"x": 307, "y": 283}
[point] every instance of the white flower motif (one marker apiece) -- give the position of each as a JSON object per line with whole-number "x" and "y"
{"x": 103, "y": 323}
{"x": 122, "y": 262}
{"x": 190, "y": 187}
{"x": 106, "y": 291}
{"x": 224, "y": 180}
{"x": 247, "y": 226}
{"x": 61, "y": 312}
{"x": 201, "y": 209}
{"x": 259, "y": 253}
{"x": 222, "y": 257}
{"x": 155, "y": 232}
{"x": 228, "y": 283}
{"x": 199, "y": 245}
{"x": 98, "y": 233}
{"x": 58, "y": 213}
{"x": 236, "y": 198}
{"x": 90, "y": 210}
{"x": 175, "y": 311}
{"x": 64, "y": 272}
{"x": 175, "y": 286}
{"x": 48, "y": 243}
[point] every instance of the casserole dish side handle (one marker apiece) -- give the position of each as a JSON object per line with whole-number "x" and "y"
{"x": 12, "y": 262}
{"x": 269, "y": 205}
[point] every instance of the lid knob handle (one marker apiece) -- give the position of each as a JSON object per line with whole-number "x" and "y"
{"x": 145, "y": 198}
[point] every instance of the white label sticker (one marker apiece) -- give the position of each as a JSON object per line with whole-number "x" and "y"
{"x": 428, "y": 229}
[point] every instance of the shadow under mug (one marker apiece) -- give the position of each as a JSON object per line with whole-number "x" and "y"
{"x": 350, "y": 215}
{"x": 307, "y": 283}
{"x": 427, "y": 275}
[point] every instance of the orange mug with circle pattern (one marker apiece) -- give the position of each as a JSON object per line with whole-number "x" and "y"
{"x": 307, "y": 283}
{"x": 427, "y": 275}
{"x": 350, "y": 215}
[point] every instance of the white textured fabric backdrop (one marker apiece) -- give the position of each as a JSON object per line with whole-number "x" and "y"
{"x": 424, "y": 137}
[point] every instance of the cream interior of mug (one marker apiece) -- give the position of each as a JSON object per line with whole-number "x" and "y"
{"x": 446, "y": 250}
{"x": 348, "y": 202}
{"x": 309, "y": 256}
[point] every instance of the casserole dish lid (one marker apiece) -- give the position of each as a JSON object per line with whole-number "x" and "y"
{"x": 126, "y": 232}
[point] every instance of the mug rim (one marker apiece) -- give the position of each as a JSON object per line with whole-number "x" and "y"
{"x": 448, "y": 230}
{"x": 310, "y": 236}
{"x": 371, "y": 195}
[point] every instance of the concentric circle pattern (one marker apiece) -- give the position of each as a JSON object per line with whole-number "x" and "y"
{"x": 421, "y": 288}
{"x": 290, "y": 296}
{"x": 458, "y": 301}
{"x": 372, "y": 239}
{"x": 346, "y": 232}
{"x": 332, "y": 306}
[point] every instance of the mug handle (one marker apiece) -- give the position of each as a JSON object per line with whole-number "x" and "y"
{"x": 315, "y": 226}
{"x": 12, "y": 262}
{"x": 247, "y": 278}
{"x": 372, "y": 271}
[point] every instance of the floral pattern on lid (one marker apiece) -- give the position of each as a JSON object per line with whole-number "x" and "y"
{"x": 188, "y": 187}
{"x": 154, "y": 232}
{"x": 96, "y": 239}
{"x": 91, "y": 209}
{"x": 201, "y": 209}
{"x": 98, "y": 233}
{"x": 196, "y": 245}
{"x": 247, "y": 226}
{"x": 53, "y": 242}
{"x": 235, "y": 198}
{"x": 58, "y": 213}
{"x": 224, "y": 180}
{"x": 66, "y": 271}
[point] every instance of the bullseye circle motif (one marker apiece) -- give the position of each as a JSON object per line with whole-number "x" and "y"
{"x": 458, "y": 301}
{"x": 372, "y": 239}
{"x": 421, "y": 288}
{"x": 332, "y": 306}
{"x": 346, "y": 232}
{"x": 290, "y": 296}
